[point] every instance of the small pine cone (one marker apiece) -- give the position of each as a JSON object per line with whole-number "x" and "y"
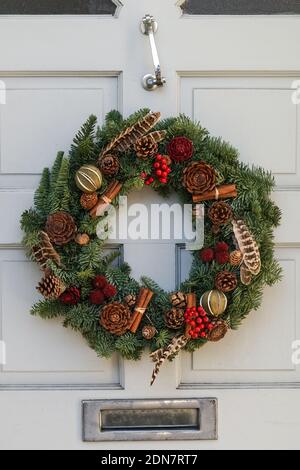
{"x": 88, "y": 200}
{"x": 109, "y": 165}
{"x": 115, "y": 318}
{"x": 218, "y": 332}
{"x": 145, "y": 147}
{"x": 149, "y": 332}
{"x": 220, "y": 213}
{"x": 178, "y": 300}
{"x": 61, "y": 228}
{"x": 226, "y": 281}
{"x": 174, "y": 318}
{"x": 82, "y": 239}
{"x": 130, "y": 300}
{"x": 199, "y": 177}
{"x": 51, "y": 287}
{"x": 236, "y": 257}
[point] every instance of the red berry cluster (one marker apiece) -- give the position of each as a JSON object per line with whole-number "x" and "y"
{"x": 220, "y": 253}
{"x": 161, "y": 171}
{"x": 102, "y": 290}
{"x": 71, "y": 296}
{"x": 198, "y": 322}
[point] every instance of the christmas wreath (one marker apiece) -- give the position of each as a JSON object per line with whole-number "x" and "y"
{"x": 113, "y": 311}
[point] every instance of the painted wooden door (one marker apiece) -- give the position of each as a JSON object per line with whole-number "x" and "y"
{"x": 233, "y": 72}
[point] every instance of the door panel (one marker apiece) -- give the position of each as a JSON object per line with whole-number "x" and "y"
{"x": 35, "y": 349}
{"x": 256, "y": 113}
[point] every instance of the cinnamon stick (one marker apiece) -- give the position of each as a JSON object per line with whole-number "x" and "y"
{"x": 191, "y": 301}
{"x": 221, "y": 192}
{"x": 143, "y": 301}
{"x": 106, "y": 199}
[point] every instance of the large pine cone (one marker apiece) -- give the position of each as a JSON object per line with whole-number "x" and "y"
{"x": 226, "y": 281}
{"x": 218, "y": 332}
{"x": 220, "y": 213}
{"x": 146, "y": 147}
{"x": 178, "y": 300}
{"x": 115, "y": 318}
{"x": 61, "y": 228}
{"x": 109, "y": 165}
{"x": 174, "y": 318}
{"x": 199, "y": 177}
{"x": 51, "y": 287}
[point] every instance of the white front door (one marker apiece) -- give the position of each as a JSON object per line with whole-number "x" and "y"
{"x": 233, "y": 73}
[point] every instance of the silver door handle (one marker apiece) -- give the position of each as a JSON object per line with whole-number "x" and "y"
{"x": 149, "y": 27}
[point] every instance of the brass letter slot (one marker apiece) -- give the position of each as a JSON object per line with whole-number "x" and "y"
{"x": 118, "y": 420}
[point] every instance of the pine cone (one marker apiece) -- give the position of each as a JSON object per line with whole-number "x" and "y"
{"x": 115, "y": 318}
{"x": 109, "y": 165}
{"x": 226, "y": 281}
{"x": 174, "y": 319}
{"x": 61, "y": 228}
{"x": 149, "y": 332}
{"x": 178, "y": 300}
{"x": 82, "y": 239}
{"x": 199, "y": 177}
{"x": 218, "y": 332}
{"x": 88, "y": 200}
{"x": 146, "y": 147}
{"x": 130, "y": 300}
{"x": 51, "y": 287}
{"x": 45, "y": 251}
{"x": 236, "y": 257}
{"x": 219, "y": 213}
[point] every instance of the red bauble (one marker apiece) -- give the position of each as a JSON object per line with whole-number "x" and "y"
{"x": 222, "y": 257}
{"x": 207, "y": 255}
{"x": 221, "y": 246}
{"x": 96, "y": 297}
{"x": 71, "y": 296}
{"x": 109, "y": 291}
{"x": 180, "y": 149}
{"x": 100, "y": 282}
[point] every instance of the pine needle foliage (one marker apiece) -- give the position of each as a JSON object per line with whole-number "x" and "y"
{"x": 57, "y": 191}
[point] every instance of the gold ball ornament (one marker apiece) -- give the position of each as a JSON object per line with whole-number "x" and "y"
{"x": 236, "y": 258}
{"x": 214, "y": 302}
{"x": 88, "y": 179}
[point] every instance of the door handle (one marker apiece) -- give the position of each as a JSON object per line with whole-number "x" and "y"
{"x": 150, "y": 82}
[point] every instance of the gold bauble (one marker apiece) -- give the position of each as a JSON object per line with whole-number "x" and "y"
{"x": 214, "y": 302}
{"x": 88, "y": 178}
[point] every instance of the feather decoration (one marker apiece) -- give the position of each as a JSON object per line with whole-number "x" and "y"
{"x": 161, "y": 355}
{"x": 155, "y": 137}
{"x": 248, "y": 246}
{"x": 45, "y": 251}
{"x": 246, "y": 276}
{"x": 132, "y": 134}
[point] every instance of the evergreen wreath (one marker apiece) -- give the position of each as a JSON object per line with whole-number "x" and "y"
{"x": 113, "y": 311}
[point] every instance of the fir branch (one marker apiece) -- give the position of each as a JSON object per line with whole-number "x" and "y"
{"x": 47, "y": 309}
{"x": 41, "y": 196}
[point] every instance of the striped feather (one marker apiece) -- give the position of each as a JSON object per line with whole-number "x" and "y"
{"x": 132, "y": 134}
{"x": 248, "y": 246}
{"x": 161, "y": 355}
{"x": 155, "y": 137}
